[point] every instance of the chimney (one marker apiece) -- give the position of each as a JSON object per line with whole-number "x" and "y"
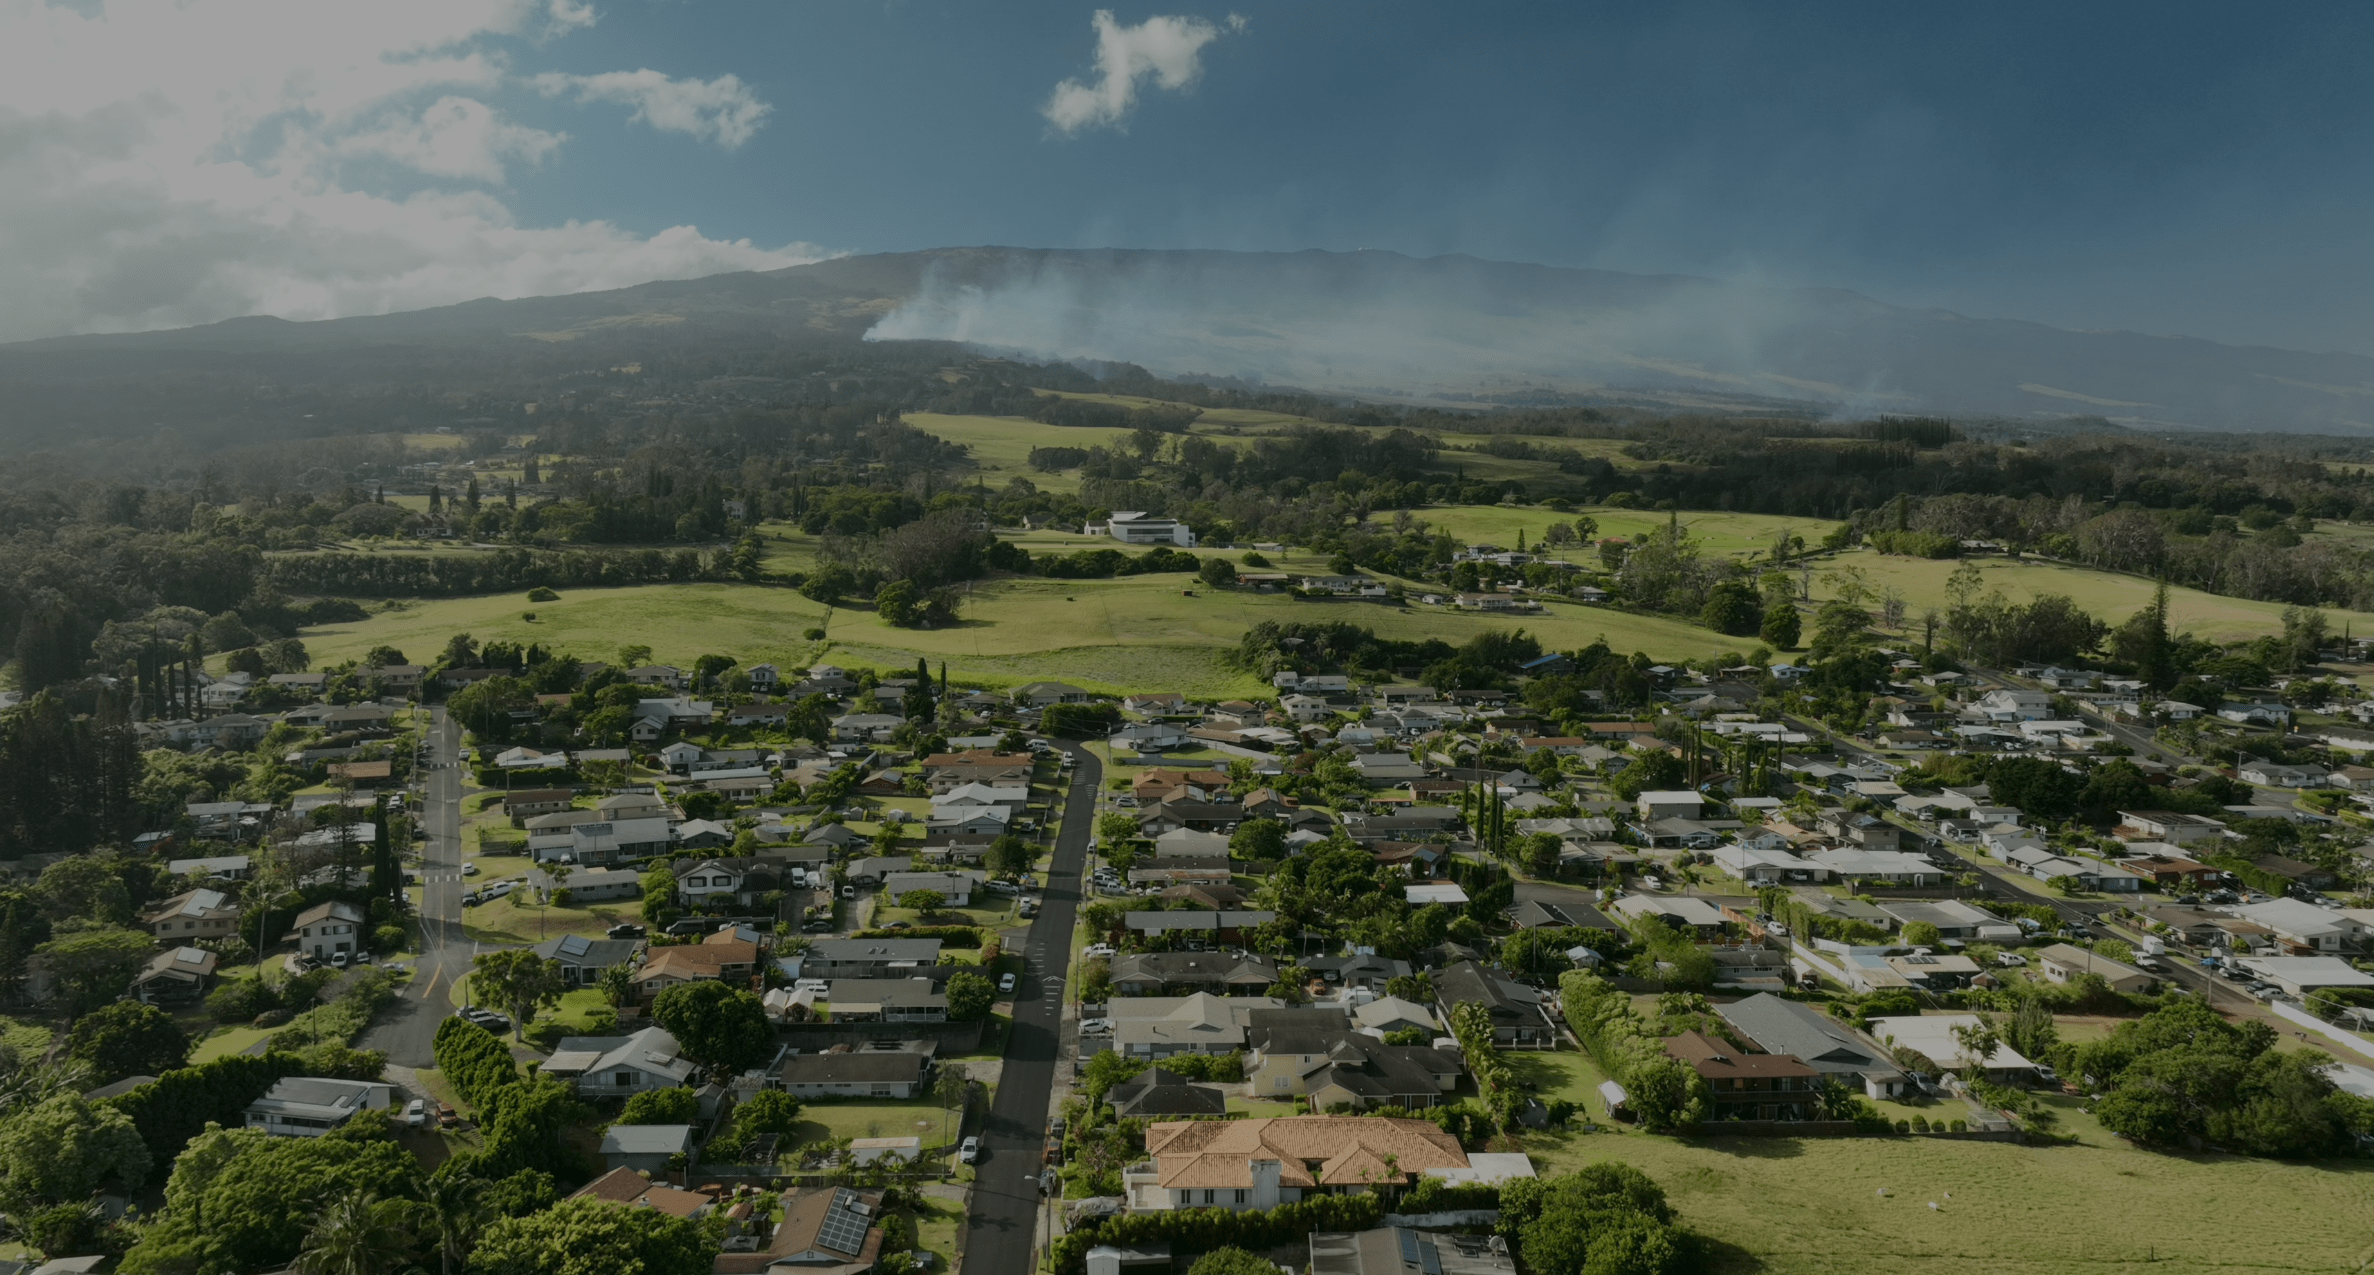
{"x": 1265, "y": 1183}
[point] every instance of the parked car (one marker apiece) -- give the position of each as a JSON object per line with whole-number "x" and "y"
{"x": 416, "y": 1114}
{"x": 969, "y": 1151}
{"x": 1095, "y": 1026}
{"x": 1001, "y": 887}
{"x": 848, "y": 892}
{"x": 1098, "y": 949}
{"x": 1005, "y": 983}
{"x": 816, "y": 927}
{"x": 469, "y": 869}
{"x": 626, "y": 930}
{"x": 338, "y": 960}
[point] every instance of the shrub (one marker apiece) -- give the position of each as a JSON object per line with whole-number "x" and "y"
{"x": 542, "y": 594}
{"x": 1904, "y": 1126}
{"x": 1196, "y": 1231}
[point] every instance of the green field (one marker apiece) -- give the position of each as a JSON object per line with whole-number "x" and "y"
{"x": 2108, "y": 594}
{"x": 1802, "y": 1206}
{"x": 1000, "y": 445}
{"x": 1715, "y": 532}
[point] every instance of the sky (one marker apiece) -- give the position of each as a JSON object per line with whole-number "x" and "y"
{"x": 2164, "y": 167}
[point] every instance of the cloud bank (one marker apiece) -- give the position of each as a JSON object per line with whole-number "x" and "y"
{"x": 1166, "y": 50}
{"x": 167, "y": 162}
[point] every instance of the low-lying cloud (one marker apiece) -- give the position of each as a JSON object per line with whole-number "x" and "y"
{"x": 1165, "y": 50}
{"x": 167, "y": 162}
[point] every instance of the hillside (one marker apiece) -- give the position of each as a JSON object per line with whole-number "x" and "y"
{"x": 1452, "y": 330}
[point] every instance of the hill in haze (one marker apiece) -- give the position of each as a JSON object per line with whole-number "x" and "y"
{"x": 1452, "y": 330}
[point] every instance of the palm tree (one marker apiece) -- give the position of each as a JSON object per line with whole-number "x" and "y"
{"x": 457, "y": 1210}
{"x": 358, "y": 1234}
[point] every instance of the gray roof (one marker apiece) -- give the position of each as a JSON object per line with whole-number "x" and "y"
{"x": 1781, "y": 1026}
{"x": 853, "y": 1068}
{"x": 575, "y": 949}
{"x": 911, "y": 992}
{"x": 851, "y": 951}
{"x": 1156, "y": 1092}
{"x": 646, "y": 1139}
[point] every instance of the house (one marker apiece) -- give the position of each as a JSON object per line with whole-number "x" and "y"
{"x": 860, "y": 1074}
{"x": 646, "y": 1148}
{"x": 193, "y": 915}
{"x": 1681, "y": 804}
{"x": 1178, "y": 973}
{"x": 625, "y": 1187}
{"x": 703, "y": 834}
{"x": 590, "y": 885}
{"x": 1859, "y": 866}
{"x": 1517, "y": 1019}
{"x": 1953, "y": 918}
{"x": 764, "y": 678}
{"x": 718, "y": 958}
{"x": 395, "y": 677}
{"x": 769, "y": 715}
{"x": 740, "y": 879}
{"x": 868, "y": 958}
{"x": 1158, "y": 1092}
{"x": 1938, "y": 973}
{"x": 309, "y": 1106}
{"x": 1361, "y": 968}
{"x": 582, "y": 960}
{"x": 2267, "y": 774}
{"x": 1399, "y": 1250}
{"x": 2305, "y": 875}
{"x": 1156, "y": 703}
{"x": 1136, "y": 528}
{"x": 222, "y": 867}
{"x": 2012, "y": 705}
{"x": 1386, "y": 770}
{"x": 2304, "y": 928}
{"x": 619, "y": 1066}
{"x": 825, "y": 1230}
{"x": 1044, "y": 694}
{"x": 886, "y": 1000}
{"x": 1220, "y": 927}
{"x": 1317, "y": 1055}
{"x": 1199, "y": 1023}
{"x": 326, "y": 929}
{"x": 1013, "y": 797}
{"x": 1932, "y": 1036}
{"x": 2166, "y": 825}
{"x": 176, "y": 977}
{"x": 955, "y": 889}
{"x": 527, "y": 804}
{"x": 1155, "y": 785}
{"x": 2167, "y": 871}
{"x": 1202, "y": 816}
{"x": 967, "y": 821}
{"x": 1260, "y": 1164}
{"x": 2297, "y": 976}
{"x": 861, "y": 728}
{"x": 1743, "y": 1086}
{"x": 1766, "y": 867}
{"x": 1703, "y": 919}
{"x": 601, "y": 842}
{"x": 2063, "y": 963}
{"x": 1828, "y": 1046}
{"x": 1864, "y": 831}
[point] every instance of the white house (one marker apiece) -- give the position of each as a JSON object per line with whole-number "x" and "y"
{"x": 308, "y": 1106}
{"x": 326, "y": 929}
{"x": 619, "y": 1066}
{"x": 1136, "y": 528}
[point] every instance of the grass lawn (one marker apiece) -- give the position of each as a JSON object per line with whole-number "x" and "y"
{"x": 936, "y": 1223}
{"x": 227, "y": 1041}
{"x": 438, "y": 1087}
{"x": 1256, "y": 1110}
{"x": 1716, "y": 532}
{"x": 1568, "y": 1074}
{"x": 879, "y": 1118}
{"x": 1813, "y": 1205}
{"x": 514, "y": 920}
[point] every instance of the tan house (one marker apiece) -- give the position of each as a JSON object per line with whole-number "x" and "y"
{"x": 719, "y": 958}
{"x": 2063, "y": 963}
{"x": 1260, "y": 1164}
{"x": 624, "y": 1186}
{"x": 193, "y": 915}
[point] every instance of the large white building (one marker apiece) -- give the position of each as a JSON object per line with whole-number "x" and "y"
{"x": 1132, "y": 527}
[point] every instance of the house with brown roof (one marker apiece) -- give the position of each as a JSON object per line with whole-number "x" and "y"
{"x": 824, "y": 1231}
{"x": 1260, "y": 1164}
{"x": 1745, "y": 1086}
{"x": 193, "y": 915}
{"x": 528, "y": 803}
{"x": 718, "y": 958}
{"x": 624, "y": 1186}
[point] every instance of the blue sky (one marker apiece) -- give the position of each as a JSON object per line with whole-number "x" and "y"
{"x": 2165, "y": 167}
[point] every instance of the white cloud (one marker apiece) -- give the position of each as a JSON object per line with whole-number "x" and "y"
{"x": 723, "y": 110}
{"x": 166, "y": 162}
{"x": 1166, "y": 50}
{"x": 454, "y": 137}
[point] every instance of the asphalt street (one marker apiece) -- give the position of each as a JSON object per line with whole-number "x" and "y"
{"x": 1002, "y": 1228}
{"x": 407, "y": 1030}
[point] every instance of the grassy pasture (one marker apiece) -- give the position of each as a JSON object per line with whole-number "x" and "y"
{"x": 2110, "y": 595}
{"x": 1000, "y": 445}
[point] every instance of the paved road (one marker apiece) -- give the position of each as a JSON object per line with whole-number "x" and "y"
{"x": 1002, "y": 1230}
{"x": 407, "y": 1030}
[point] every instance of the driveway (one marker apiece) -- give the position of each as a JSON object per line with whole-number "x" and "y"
{"x": 407, "y": 1030}
{"x": 1001, "y": 1231}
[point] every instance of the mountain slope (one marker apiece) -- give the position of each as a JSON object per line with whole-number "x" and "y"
{"x": 1451, "y": 329}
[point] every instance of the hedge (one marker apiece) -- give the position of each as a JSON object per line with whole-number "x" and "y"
{"x": 177, "y": 1106}
{"x": 948, "y": 935}
{"x": 474, "y": 1060}
{"x": 344, "y": 1018}
{"x": 1193, "y": 1231}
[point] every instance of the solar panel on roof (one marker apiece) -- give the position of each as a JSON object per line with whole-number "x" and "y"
{"x": 575, "y": 945}
{"x": 1409, "y": 1246}
{"x": 844, "y": 1228}
{"x": 1430, "y": 1258}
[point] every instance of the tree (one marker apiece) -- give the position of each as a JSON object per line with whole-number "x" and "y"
{"x": 87, "y": 887}
{"x": 896, "y": 603}
{"x": 93, "y": 966}
{"x": 66, "y": 1149}
{"x": 1010, "y": 856}
{"x": 1732, "y": 607}
{"x": 128, "y": 1039}
{"x": 594, "y": 1237}
{"x": 359, "y": 1234}
{"x": 1258, "y": 840}
{"x": 518, "y": 980}
{"x": 617, "y": 983}
{"x": 969, "y": 996}
{"x": 240, "y": 1200}
{"x": 1922, "y": 934}
{"x": 1116, "y": 826}
{"x": 457, "y": 1209}
{"x": 925, "y": 902}
{"x": 1782, "y": 627}
{"x": 724, "y": 1029}
{"x": 661, "y": 1106}
{"x": 1232, "y": 1261}
{"x": 1666, "y": 1093}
